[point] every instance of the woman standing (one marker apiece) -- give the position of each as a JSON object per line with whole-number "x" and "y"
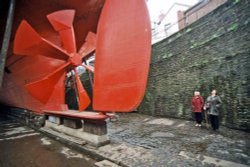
{"x": 212, "y": 105}
{"x": 197, "y": 104}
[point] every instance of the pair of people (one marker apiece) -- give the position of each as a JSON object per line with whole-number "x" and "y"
{"x": 212, "y": 105}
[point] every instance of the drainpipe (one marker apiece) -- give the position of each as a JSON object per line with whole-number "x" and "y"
{"x": 6, "y": 39}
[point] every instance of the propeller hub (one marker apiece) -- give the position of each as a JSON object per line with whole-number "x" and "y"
{"x": 75, "y": 59}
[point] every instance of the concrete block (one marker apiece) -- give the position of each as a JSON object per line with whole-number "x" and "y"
{"x": 92, "y": 139}
{"x": 72, "y": 123}
{"x": 95, "y": 127}
{"x": 55, "y": 120}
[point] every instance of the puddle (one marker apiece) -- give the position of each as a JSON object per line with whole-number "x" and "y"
{"x": 161, "y": 121}
{"x": 17, "y": 130}
{"x": 45, "y": 141}
{"x": 69, "y": 154}
{"x": 162, "y": 134}
{"x": 19, "y": 137}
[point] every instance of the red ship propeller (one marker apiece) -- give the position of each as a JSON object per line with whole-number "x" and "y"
{"x": 62, "y": 22}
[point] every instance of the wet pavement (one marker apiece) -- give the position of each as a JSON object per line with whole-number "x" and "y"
{"x": 145, "y": 141}
{"x": 21, "y": 146}
{"x": 136, "y": 141}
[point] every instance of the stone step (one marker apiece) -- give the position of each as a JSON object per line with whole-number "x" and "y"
{"x": 63, "y": 136}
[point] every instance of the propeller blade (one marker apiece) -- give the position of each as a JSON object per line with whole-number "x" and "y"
{"x": 62, "y": 22}
{"x": 42, "y": 89}
{"x": 58, "y": 69}
{"x": 83, "y": 98}
{"x": 89, "y": 45}
{"x": 29, "y": 42}
{"x": 90, "y": 68}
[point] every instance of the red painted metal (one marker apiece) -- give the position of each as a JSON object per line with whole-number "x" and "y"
{"x": 81, "y": 115}
{"x": 62, "y": 21}
{"x": 44, "y": 54}
{"x": 43, "y": 89}
{"x": 89, "y": 45}
{"x": 122, "y": 56}
{"x": 34, "y": 44}
{"x": 83, "y": 98}
{"x": 90, "y": 68}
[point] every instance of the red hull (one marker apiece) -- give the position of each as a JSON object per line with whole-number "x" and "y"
{"x": 26, "y": 69}
{"x": 122, "y": 54}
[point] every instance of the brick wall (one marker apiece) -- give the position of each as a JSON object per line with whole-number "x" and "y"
{"x": 213, "y": 52}
{"x": 201, "y": 9}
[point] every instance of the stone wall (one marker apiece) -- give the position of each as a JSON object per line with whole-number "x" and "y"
{"x": 213, "y": 52}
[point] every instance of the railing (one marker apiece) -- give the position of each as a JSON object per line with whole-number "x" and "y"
{"x": 158, "y": 35}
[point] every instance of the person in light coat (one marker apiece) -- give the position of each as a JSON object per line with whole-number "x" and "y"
{"x": 212, "y": 105}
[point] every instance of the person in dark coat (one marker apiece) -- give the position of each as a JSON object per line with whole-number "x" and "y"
{"x": 212, "y": 105}
{"x": 197, "y": 104}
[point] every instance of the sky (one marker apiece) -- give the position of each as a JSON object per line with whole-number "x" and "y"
{"x": 156, "y": 6}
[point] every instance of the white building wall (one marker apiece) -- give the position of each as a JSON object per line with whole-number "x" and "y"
{"x": 169, "y": 24}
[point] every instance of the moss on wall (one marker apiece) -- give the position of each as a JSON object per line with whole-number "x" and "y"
{"x": 212, "y": 53}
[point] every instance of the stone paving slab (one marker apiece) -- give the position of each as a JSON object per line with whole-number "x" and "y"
{"x": 145, "y": 141}
{"x": 211, "y": 160}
